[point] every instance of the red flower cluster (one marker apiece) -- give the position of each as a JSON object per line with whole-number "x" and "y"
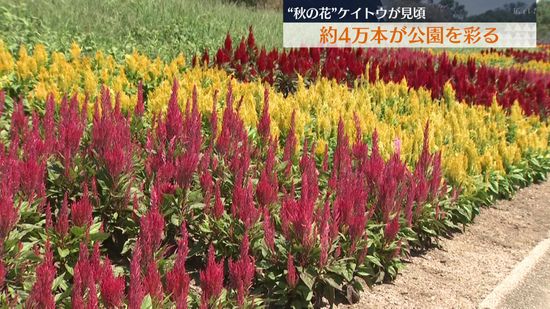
{"x": 290, "y": 210}
{"x": 476, "y": 84}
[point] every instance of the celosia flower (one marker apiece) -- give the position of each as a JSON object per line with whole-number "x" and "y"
{"x": 174, "y": 118}
{"x": 151, "y": 231}
{"x": 111, "y": 137}
{"x": 392, "y": 228}
{"x": 2, "y": 273}
{"x": 153, "y": 286}
{"x": 111, "y": 287}
{"x": 241, "y": 272}
{"x": 291, "y": 276}
{"x": 264, "y": 126}
{"x": 18, "y": 118}
{"x": 9, "y": 214}
{"x": 137, "y": 288}
{"x": 62, "y": 223}
{"x": 269, "y": 230}
{"x": 81, "y": 211}
{"x": 41, "y": 295}
{"x": 140, "y": 107}
{"x": 290, "y": 143}
{"x": 218, "y": 204}
{"x": 211, "y": 278}
{"x": 177, "y": 279}
{"x": 242, "y": 206}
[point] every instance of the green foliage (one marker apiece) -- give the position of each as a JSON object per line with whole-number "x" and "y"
{"x": 157, "y": 28}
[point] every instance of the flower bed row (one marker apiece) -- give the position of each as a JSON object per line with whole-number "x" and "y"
{"x": 155, "y": 192}
{"x": 86, "y": 205}
{"x": 477, "y": 78}
{"x": 129, "y": 209}
{"x": 476, "y": 84}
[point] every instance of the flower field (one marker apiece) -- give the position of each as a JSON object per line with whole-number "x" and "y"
{"x": 251, "y": 178}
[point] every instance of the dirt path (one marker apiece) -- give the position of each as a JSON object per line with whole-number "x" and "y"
{"x": 471, "y": 264}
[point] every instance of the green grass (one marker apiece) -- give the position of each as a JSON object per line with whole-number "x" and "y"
{"x": 155, "y": 27}
{"x": 158, "y": 28}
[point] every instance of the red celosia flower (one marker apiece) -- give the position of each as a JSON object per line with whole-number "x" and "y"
{"x": 48, "y": 124}
{"x": 151, "y": 231}
{"x": 291, "y": 276}
{"x": 265, "y": 120}
{"x": 228, "y": 43}
{"x": 325, "y": 234}
{"x": 48, "y": 215}
{"x": 269, "y": 231}
{"x": 70, "y": 130}
{"x": 93, "y": 302}
{"x": 177, "y": 279}
{"x": 392, "y": 228}
{"x": 174, "y": 117}
{"x": 214, "y": 119}
{"x": 137, "y": 288}
{"x": 242, "y": 205}
{"x": 290, "y": 143}
{"x": 153, "y": 286}
{"x": 140, "y": 107}
{"x": 111, "y": 287}
{"x": 241, "y": 272}
{"x": 87, "y": 272}
{"x": 111, "y": 137}
{"x": 9, "y": 214}
{"x": 41, "y": 295}
{"x": 81, "y": 211}
{"x": 205, "y": 59}
{"x": 18, "y": 118}
{"x": 62, "y": 223}
{"x": 265, "y": 191}
{"x": 211, "y": 278}
{"x": 218, "y": 204}
{"x": 222, "y": 57}
{"x": 2, "y": 273}
{"x": 250, "y": 41}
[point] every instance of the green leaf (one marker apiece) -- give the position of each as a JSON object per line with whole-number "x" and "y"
{"x": 308, "y": 279}
{"x": 63, "y": 252}
{"x": 374, "y": 260}
{"x": 147, "y": 302}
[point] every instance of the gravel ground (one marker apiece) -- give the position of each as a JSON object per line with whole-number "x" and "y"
{"x": 471, "y": 264}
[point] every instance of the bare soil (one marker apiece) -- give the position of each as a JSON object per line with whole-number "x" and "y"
{"x": 467, "y": 267}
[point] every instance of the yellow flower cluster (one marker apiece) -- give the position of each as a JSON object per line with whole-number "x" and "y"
{"x": 474, "y": 140}
{"x": 502, "y": 61}
{"x": 41, "y": 73}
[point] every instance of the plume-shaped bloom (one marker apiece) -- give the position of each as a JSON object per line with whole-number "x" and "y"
{"x": 151, "y": 232}
{"x": 153, "y": 285}
{"x": 137, "y": 289}
{"x": 269, "y": 230}
{"x": 264, "y": 126}
{"x": 41, "y": 295}
{"x": 241, "y": 272}
{"x": 140, "y": 106}
{"x": 81, "y": 211}
{"x": 218, "y": 203}
{"x": 211, "y": 278}
{"x": 111, "y": 137}
{"x": 177, "y": 279}
{"x": 291, "y": 276}
{"x": 9, "y": 214}
{"x": 62, "y": 222}
{"x": 111, "y": 287}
